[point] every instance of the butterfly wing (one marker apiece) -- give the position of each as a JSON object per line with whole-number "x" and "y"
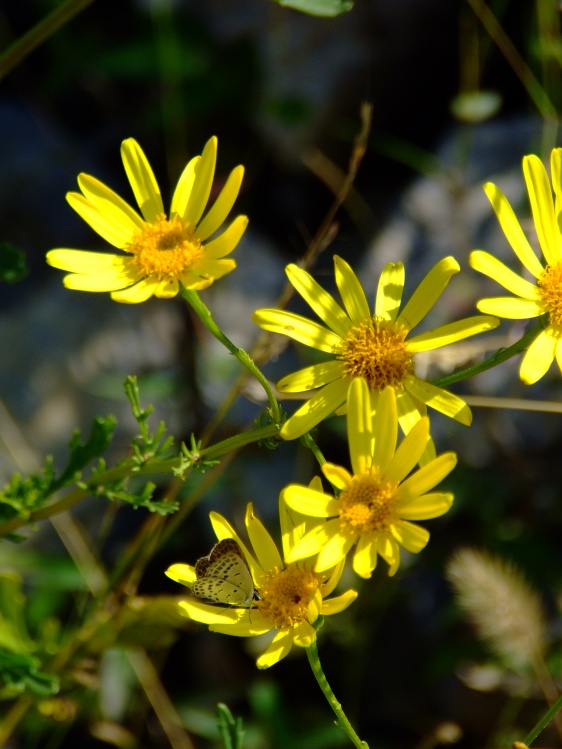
{"x": 223, "y": 576}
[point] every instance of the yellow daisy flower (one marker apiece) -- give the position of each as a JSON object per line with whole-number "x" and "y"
{"x": 374, "y": 346}
{"x": 289, "y": 597}
{"x": 545, "y": 295}
{"x": 376, "y": 502}
{"x": 162, "y": 252}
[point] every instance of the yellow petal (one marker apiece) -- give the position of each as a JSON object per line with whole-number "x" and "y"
{"x": 308, "y": 545}
{"x": 334, "y": 549}
{"x": 264, "y": 546}
{"x": 111, "y": 224}
{"x": 182, "y": 573}
{"x": 426, "y": 477}
{"x": 88, "y": 263}
{"x": 209, "y": 614}
{"x": 336, "y": 475}
{"x": 389, "y": 550}
{"x": 204, "y": 173}
{"x": 512, "y": 229}
{"x": 138, "y": 293}
{"x": 359, "y": 426}
{"x": 351, "y": 291}
{"x": 427, "y": 506}
{"x": 540, "y": 197}
{"x": 412, "y": 537}
{"x": 389, "y": 291}
{"x": 408, "y": 453}
{"x": 439, "y": 399}
{"x": 227, "y": 241}
{"x": 317, "y": 408}
{"x": 279, "y": 648}
{"x": 184, "y": 188}
{"x": 325, "y": 306}
{"x": 338, "y": 603}
{"x": 428, "y": 292}
{"x": 143, "y": 182}
{"x": 538, "y": 357}
{"x": 207, "y": 272}
{"x": 108, "y": 203}
{"x": 452, "y": 332}
{"x": 510, "y": 307}
{"x": 105, "y": 281}
{"x": 365, "y": 556}
{"x": 222, "y": 205}
{"x": 385, "y": 429}
{"x": 297, "y": 327}
{"x": 494, "y": 268}
{"x": 167, "y": 289}
{"x": 310, "y": 378}
{"x": 309, "y": 501}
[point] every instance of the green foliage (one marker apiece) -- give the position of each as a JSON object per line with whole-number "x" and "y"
{"x": 146, "y": 445}
{"x": 13, "y": 267}
{"x": 325, "y": 8}
{"x": 21, "y": 497}
{"x": 19, "y": 672}
{"x": 231, "y": 729}
{"x": 19, "y": 669}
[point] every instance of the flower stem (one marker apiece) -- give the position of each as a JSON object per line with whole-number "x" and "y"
{"x": 204, "y": 314}
{"x": 500, "y": 356}
{"x": 342, "y": 721}
{"x": 543, "y": 722}
{"x": 39, "y": 33}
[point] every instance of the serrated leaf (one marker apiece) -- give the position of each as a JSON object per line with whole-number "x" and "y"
{"x": 324, "y": 8}
{"x": 82, "y": 453}
{"x": 20, "y": 671}
{"x": 13, "y": 267}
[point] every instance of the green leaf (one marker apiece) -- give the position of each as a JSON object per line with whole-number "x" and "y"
{"x": 12, "y": 263}
{"x": 231, "y": 729}
{"x": 13, "y": 631}
{"x": 20, "y": 672}
{"x": 324, "y": 8}
{"x": 82, "y": 453}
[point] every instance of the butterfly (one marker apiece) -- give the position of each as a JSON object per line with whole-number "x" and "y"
{"x": 224, "y": 576}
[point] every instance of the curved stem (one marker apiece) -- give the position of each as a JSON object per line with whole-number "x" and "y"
{"x": 39, "y": 33}
{"x": 204, "y": 314}
{"x": 500, "y": 356}
{"x": 342, "y": 721}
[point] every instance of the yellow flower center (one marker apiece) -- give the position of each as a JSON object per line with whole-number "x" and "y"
{"x": 549, "y": 284}
{"x": 285, "y": 595}
{"x": 165, "y": 249}
{"x": 376, "y": 350}
{"x": 367, "y": 504}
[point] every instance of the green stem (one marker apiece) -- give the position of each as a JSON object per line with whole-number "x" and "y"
{"x": 204, "y": 314}
{"x": 39, "y": 33}
{"x": 543, "y": 722}
{"x": 130, "y": 468}
{"x": 500, "y": 356}
{"x": 342, "y": 721}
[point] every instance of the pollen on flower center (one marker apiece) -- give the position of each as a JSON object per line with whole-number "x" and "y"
{"x": 367, "y": 504}
{"x": 165, "y": 249}
{"x": 376, "y": 350}
{"x": 549, "y": 284}
{"x": 285, "y": 596}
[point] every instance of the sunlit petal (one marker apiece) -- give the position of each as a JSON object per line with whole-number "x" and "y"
{"x": 485, "y": 263}
{"x": 428, "y": 292}
{"x": 389, "y": 291}
{"x": 512, "y": 229}
{"x": 142, "y": 179}
{"x": 317, "y": 408}
{"x": 540, "y": 197}
{"x": 297, "y": 327}
{"x": 351, "y": 291}
{"x": 538, "y": 357}
{"x": 319, "y": 300}
{"x": 222, "y": 205}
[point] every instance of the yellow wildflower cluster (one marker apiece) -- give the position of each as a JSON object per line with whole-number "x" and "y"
{"x": 369, "y": 373}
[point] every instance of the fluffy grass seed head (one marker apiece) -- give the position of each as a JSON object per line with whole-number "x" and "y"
{"x": 373, "y": 345}
{"x": 290, "y": 596}
{"x": 543, "y": 296}
{"x": 161, "y": 251}
{"x": 501, "y": 605}
{"x": 378, "y": 501}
